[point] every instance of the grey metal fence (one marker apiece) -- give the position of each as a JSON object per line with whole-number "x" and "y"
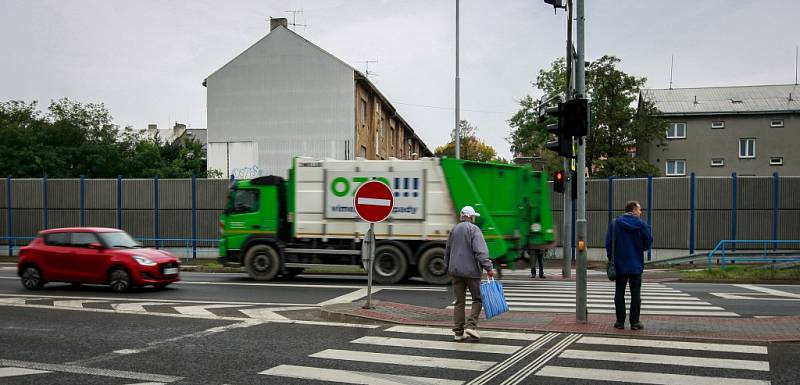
{"x": 691, "y": 213}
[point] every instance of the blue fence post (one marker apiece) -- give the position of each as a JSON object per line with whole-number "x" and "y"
{"x": 156, "y": 229}
{"x": 9, "y": 217}
{"x": 194, "y": 216}
{"x": 775, "y": 199}
{"x": 650, "y": 212}
{"x": 734, "y": 187}
{"x": 119, "y": 201}
{"x": 44, "y": 201}
{"x": 82, "y": 197}
{"x": 610, "y": 198}
{"x": 691, "y": 213}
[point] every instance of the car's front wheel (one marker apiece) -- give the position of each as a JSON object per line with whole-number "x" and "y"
{"x": 32, "y": 278}
{"x": 119, "y": 280}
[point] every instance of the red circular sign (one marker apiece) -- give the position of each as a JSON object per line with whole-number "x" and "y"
{"x": 373, "y": 201}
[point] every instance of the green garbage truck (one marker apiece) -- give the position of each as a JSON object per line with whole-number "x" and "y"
{"x": 278, "y": 227}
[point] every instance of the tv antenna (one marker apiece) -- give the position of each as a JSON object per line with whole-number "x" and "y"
{"x": 671, "y": 64}
{"x": 294, "y": 13}
{"x": 366, "y": 71}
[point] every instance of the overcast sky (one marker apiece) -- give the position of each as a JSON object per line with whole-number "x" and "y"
{"x": 146, "y": 59}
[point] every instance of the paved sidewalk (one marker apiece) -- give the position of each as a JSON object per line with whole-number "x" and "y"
{"x": 777, "y": 329}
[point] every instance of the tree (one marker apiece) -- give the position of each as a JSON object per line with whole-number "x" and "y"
{"x": 74, "y": 139}
{"x": 472, "y": 148}
{"x": 617, "y": 126}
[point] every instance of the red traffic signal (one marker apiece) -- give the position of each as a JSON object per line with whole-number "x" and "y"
{"x": 558, "y": 181}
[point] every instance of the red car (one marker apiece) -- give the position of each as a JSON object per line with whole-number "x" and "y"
{"x": 94, "y": 255}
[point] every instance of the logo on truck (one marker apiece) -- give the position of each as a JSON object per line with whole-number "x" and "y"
{"x": 408, "y": 190}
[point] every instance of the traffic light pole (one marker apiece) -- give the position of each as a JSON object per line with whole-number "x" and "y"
{"x": 566, "y": 223}
{"x": 582, "y": 314}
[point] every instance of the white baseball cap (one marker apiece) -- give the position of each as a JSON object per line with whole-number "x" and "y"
{"x": 469, "y": 212}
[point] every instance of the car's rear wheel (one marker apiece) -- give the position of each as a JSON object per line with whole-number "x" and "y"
{"x": 390, "y": 264}
{"x": 32, "y": 278}
{"x": 119, "y": 280}
{"x": 432, "y": 267}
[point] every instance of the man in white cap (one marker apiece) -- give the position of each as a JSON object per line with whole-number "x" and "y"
{"x": 466, "y": 255}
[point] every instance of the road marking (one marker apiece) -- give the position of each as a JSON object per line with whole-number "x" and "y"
{"x": 593, "y": 309}
{"x": 599, "y": 297}
{"x": 73, "y": 303}
{"x": 136, "y": 306}
{"x": 91, "y": 371}
{"x": 676, "y": 301}
{"x": 438, "y": 345}
{"x": 116, "y": 299}
{"x": 513, "y": 360}
{"x": 751, "y": 297}
{"x": 641, "y": 377}
{"x": 404, "y": 359}
{"x": 11, "y": 372}
{"x": 722, "y": 363}
{"x": 777, "y": 293}
{"x": 349, "y": 297}
{"x": 269, "y": 313}
{"x": 540, "y": 361}
{"x": 201, "y": 310}
{"x": 611, "y": 305}
{"x": 594, "y": 292}
{"x": 352, "y": 377}
{"x": 14, "y": 301}
{"x": 311, "y": 286}
{"x": 665, "y": 344}
{"x": 449, "y": 332}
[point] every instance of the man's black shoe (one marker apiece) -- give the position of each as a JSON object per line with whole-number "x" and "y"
{"x": 637, "y": 326}
{"x": 620, "y": 325}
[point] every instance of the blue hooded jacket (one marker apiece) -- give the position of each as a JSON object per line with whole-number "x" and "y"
{"x": 633, "y": 237}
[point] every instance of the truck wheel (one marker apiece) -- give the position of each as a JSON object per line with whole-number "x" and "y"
{"x": 432, "y": 268}
{"x": 390, "y": 264}
{"x": 262, "y": 262}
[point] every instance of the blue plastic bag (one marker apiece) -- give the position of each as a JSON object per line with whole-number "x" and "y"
{"x": 494, "y": 300}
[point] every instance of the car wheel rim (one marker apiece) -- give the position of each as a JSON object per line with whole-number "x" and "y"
{"x": 436, "y": 266}
{"x": 385, "y": 265}
{"x": 261, "y": 263}
{"x": 119, "y": 280}
{"x": 31, "y": 278}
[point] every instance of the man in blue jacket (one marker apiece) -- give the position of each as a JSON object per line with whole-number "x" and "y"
{"x": 631, "y": 237}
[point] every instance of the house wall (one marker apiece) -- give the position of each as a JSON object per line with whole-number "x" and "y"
{"x": 380, "y": 134}
{"x": 703, "y": 143}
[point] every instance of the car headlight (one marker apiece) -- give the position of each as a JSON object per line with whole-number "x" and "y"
{"x": 144, "y": 260}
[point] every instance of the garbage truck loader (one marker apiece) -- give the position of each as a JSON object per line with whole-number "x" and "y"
{"x": 274, "y": 226}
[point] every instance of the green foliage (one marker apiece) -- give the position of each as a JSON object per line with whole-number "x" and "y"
{"x": 74, "y": 139}
{"x": 472, "y": 148}
{"x": 744, "y": 273}
{"x": 617, "y": 126}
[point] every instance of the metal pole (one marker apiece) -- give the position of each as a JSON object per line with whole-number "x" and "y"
{"x": 9, "y": 217}
{"x": 82, "y": 198}
{"x": 119, "y": 201}
{"x": 44, "y": 201}
{"x": 691, "y": 212}
{"x": 458, "y": 92}
{"x": 194, "y": 216}
{"x": 775, "y": 199}
{"x": 581, "y": 311}
{"x": 566, "y": 226}
{"x": 733, "y": 210}
{"x": 155, "y": 211}
{"x": 371, "y": 253}
{"x": 650, "y": 211}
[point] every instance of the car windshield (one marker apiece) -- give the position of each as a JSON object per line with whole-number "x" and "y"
{"x": 118, "y": 239}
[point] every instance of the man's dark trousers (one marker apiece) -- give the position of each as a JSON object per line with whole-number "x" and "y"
{"x": 636, "y": 296}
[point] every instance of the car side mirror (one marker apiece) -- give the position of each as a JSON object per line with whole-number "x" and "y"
{"x": 95, "y": 245}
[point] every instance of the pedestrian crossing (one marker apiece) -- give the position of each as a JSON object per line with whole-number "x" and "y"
{"x": 427, "y": 355}
{"x": 559, "y": 297}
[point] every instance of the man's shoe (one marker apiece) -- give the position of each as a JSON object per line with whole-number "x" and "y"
{"x": 541, "y": 276}
{"x": 637, "y": 326}
{"x": 472, "y": 333}
{"x": 459, "y": 337}
{"x": 620, "y": 325}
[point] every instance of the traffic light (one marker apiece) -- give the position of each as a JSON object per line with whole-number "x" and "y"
{"x": 575, "y": 114}
{"x": 558, "y": 181}
{"x": 563, "y": 143}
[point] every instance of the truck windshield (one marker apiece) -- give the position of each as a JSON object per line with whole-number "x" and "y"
{"x": 242, "y": 201}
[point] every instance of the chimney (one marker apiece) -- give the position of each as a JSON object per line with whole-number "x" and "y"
{"x": 275, "y": 23}
{"x": 152, "y": 127}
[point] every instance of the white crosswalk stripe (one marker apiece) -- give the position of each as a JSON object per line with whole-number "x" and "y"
{"x": 13, "y": 372}
{"x": 559, "y": 297}
{"x": 428, "y": 346}
{"x": 664, "y": 362}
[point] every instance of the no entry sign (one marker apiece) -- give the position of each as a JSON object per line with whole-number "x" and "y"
{"x": 374, "y": 201}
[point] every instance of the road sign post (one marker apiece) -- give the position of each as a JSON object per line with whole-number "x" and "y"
{"x": 373, "y": 202}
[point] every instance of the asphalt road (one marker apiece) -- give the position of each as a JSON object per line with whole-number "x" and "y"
{"x": 227, "y": 329}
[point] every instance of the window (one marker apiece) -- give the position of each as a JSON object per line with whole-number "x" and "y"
{"x": 243, "y": 201}
{"x": 747, "y": 148}
{"x": 776, "y": 161}
{"x": 717, "y": 124}
{"x": 717, "y": 162}
{"x": 56, "y": 239}
{"x": 676, "y": 167}
{"x": 676, "y": 131}
{"x": 776, "y": 123}
{"x": 82, "y": 239}
{"x": 363, "y": 112}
